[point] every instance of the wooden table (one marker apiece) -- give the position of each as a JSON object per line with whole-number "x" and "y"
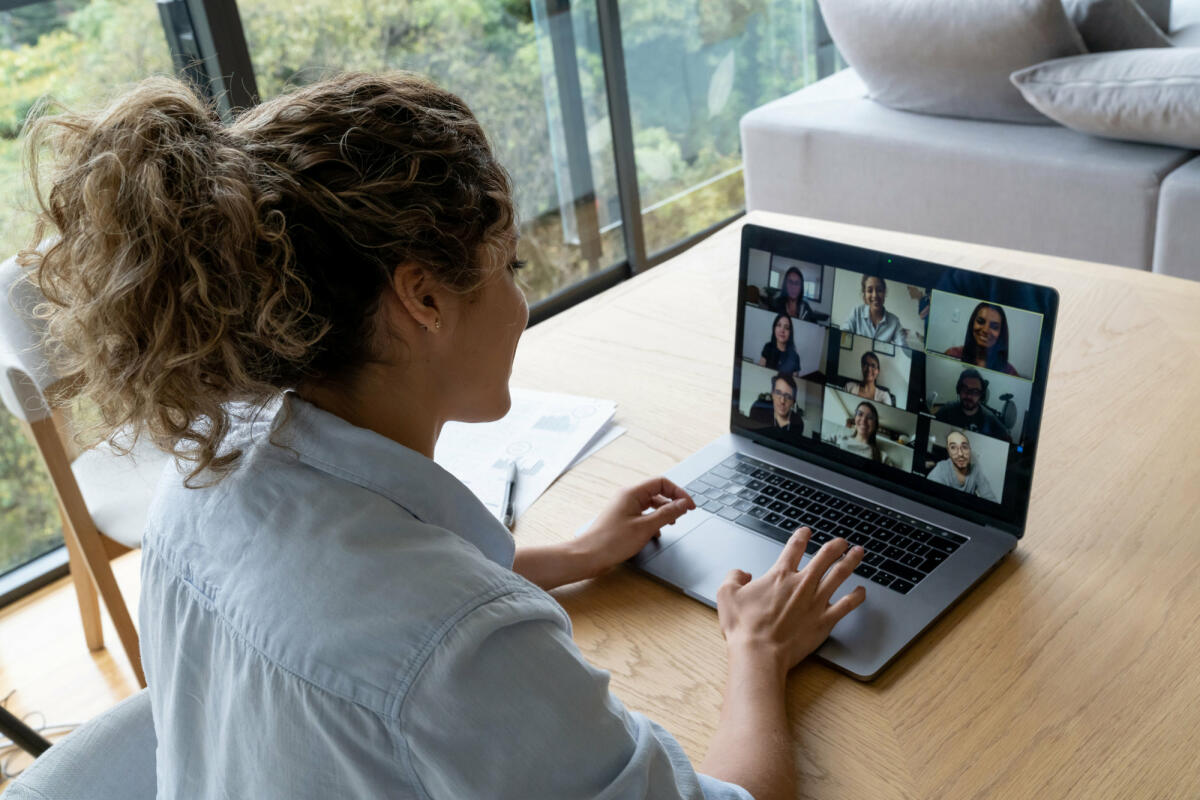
{"x": 1072, "y": 671}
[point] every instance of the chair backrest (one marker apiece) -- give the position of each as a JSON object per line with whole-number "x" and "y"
{"x": 25, "y": 372}
{"x": 109, "y": 758}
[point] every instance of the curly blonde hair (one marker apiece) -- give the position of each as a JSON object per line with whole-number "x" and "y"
{"x": 189, "y": 264}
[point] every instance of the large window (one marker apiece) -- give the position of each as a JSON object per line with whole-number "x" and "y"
{"x": 73, "y": 52}
{"x": 487, "y": 53}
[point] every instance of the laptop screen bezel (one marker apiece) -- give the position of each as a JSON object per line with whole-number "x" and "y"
{"x": 1011, "y": 514}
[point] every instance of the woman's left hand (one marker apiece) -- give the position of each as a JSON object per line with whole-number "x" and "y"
{"x": 634, "y": 518}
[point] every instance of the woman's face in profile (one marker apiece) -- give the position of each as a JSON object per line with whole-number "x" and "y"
{"x": 986, "y": 327}
{"x": 792, "y": 285}
{"x": 874, "y": 293}
{"x": 783, "y": 330}
{"x": 870, "y": 370}
{"x": 485, "y": 343}
{"x": 864, "y": 422}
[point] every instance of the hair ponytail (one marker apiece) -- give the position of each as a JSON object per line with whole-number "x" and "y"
{"x": 197, "y": 264}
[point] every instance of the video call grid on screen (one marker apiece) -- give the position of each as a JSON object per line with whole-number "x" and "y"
{"x": 931, "y": 315}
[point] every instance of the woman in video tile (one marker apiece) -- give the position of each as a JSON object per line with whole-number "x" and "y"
{"x": 985, "y": 343}
{"x": 868, "y": 388}
{"x": 871, "y": 319}
{"x": 780, "y": 353}
{"x": 862, "y": 441}
{"x": 786, "y": 423}
{"x": 960, "y": 470}
{"x": 791, "y": 300}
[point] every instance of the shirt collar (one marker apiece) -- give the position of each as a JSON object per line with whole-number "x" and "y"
{"x": 407, "y": 478}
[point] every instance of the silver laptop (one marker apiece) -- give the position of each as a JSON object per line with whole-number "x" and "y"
{"x": 890, "y": 401}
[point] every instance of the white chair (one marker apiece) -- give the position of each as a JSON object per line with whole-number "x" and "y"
{"x": 102, "y": 495}
{"x": 109, "y": 758}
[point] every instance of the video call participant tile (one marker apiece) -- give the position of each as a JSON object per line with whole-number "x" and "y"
{"x": 884, "y": 310}
{"x": 778, "y": 342}
{"x": 991, "y": 403}
{"x": 966, "y": 460}
{"x": 801, "y": 289}
{"x": 984, "y": 335}
{"x": 872, "y": 370}
{"x": 870, "y": 430}
{"x": 779, "y": 405}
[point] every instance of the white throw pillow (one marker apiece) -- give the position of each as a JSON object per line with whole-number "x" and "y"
{"x": 950, "y": 57}
{"x": 1140, "y": 95}
{"x": 1114, "y": 25}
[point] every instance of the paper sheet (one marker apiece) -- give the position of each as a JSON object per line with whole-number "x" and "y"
{"x": 544, "y": 432}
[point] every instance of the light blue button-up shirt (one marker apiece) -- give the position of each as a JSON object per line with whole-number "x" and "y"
{"x": 338, "y": 618}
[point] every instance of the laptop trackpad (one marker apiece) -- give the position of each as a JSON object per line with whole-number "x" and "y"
{"x": 699, "y": 562}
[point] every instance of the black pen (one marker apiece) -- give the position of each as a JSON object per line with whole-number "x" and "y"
{"x": 510, "y": 492}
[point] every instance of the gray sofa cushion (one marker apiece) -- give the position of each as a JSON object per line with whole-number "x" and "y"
{"x": 1114, "y": 25}
{"x": 829, "y": 152}
{"x": 1159, "y": 11}
{"x": 1177, "y": 237}
{"x": 950, "y": 58}
{"x": 1137, "y": 95}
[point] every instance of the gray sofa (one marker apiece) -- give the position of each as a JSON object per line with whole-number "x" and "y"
{"x": 828, "y": 151}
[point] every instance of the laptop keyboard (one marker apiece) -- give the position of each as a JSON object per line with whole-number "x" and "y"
{"x": 901, "y": 551}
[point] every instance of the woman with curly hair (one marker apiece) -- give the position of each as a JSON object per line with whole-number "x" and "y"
{"x": 293, "y": 305}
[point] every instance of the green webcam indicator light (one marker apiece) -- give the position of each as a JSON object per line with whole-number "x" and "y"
{"x": 889, "y": 261}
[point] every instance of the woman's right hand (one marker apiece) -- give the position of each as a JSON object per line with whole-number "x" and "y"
{"x": 784, "y": 615}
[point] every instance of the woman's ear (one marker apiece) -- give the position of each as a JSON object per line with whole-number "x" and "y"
{"x": 418, "y": 295}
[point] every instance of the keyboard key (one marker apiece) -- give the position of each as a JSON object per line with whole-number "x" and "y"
{"x": 904, "y": 528}
{"x": 918, "y": 548}
{"x": 820, "y": 497}
{"x": 900, "y": 571}
{"x": 882, "y": 578}
{"x": 834, "y": 516}
{"x": 910, "y": 560}
{"x": 712, "y": 506}
{"x": 770, "y": 491}
{"x": 786, "y": 496}
{"x": 729, "y": 513}
{"x": 743, "y": 506}
{"x": 869, "y": 516}
{"x": 945, "y": 545}
{"x": 920, "y": 536}
{"x": 857, "y": 538}
{"x": 775, "y": 480}
{"x": 790, "y": 486}
{"x": 758, "y": 512}
{"x": 756, "y": 485}
{"x": 806, "y": 491}
{"x": 820, "y": 537}
{"x": 891, "y": 551}
{"x": 932, "y": 561}
{"x": 778, "y": 507}
{"x": 762, "y": 500}
{"x": 772, "y": 519}
{"x": 722, "y": 472}
{"x": 901, "y": 586}
{"x": 740, "y": 479}
{"x": 836, "y": 502}
{"x": 865, "y": 570}
{"x": 902, "y": 542}
{"x": 696, "y": 487}
{"x": 761, "y": 474}
{"x": 883, "y": 535}
{"x": 758, "y": 526}
{"x": 873, "y": 559}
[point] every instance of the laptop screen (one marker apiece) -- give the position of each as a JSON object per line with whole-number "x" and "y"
{"x": 925, "y": 379}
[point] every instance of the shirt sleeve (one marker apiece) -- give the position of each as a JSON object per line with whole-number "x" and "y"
{"x": 505, "y": 706}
